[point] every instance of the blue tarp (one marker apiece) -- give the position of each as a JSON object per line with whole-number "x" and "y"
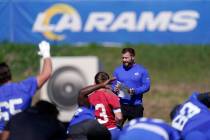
{"x": 105, "y": 21}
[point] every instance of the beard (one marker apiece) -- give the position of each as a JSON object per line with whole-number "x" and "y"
{"x": 128, "y": 64}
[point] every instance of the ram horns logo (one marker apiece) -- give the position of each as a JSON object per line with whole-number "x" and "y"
{"x": 70, "y": 20}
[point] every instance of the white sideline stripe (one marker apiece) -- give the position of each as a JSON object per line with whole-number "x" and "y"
{"x": 117, "y": 110}
{"x": 153, "y": 128}
{"x": 112, "y": 128}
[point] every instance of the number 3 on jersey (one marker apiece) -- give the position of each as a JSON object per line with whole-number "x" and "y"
{"x": 102, "y": 113}
{"x": 188, "y": 111}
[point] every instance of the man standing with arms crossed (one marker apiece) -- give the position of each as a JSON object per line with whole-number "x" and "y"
{"x": 16, "y": 96}
{"x": 132, "y": 81}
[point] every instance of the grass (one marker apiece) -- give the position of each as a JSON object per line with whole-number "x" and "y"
{"x": 175, "y": 70}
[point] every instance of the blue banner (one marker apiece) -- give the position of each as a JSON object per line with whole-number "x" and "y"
{"x": 122, "y": 21}
{"x": 5, "y": 23}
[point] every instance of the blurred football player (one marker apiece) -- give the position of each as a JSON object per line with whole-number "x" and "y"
{"x": 16, "y": 96}
{"x": 35, "y": 123}
{"x": 107, "y": 106}
{"x": 84, "y": 126}
{"x": 192, "y": 118}
{"x": 148, "y": 129}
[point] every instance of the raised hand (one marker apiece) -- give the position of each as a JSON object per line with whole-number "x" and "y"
{"x": 44, "y": 49}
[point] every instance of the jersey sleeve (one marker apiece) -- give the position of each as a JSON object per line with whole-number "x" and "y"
{"x": 29, "y": 85}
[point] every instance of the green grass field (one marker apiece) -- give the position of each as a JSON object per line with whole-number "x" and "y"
{"x": 175, "y": 70}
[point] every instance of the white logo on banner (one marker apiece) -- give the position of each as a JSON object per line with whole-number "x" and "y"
{"x": 107, "y": 21}
{"x": 70, "y": 20}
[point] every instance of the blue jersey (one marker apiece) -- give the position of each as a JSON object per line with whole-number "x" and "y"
{"x": 81, "y": 114}
{"x": 147, "y": 128}
{"x": 15, "y": 97}
{"x": 137, "y": 78}
{"x": 192, "y": 115}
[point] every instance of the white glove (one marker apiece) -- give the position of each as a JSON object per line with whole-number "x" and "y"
{"x": 44, "y": 49}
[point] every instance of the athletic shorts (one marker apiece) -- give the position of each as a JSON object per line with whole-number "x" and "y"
{"x": 132, "y": 111}
{"x": 89, "y": 130}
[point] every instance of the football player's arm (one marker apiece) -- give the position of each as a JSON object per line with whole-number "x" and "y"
{"x": 87, "y": 90}
{"x": 4, "y": 135}
{"x": 205, "y": 98}
{"x": 118, "y": 115}
{"x": 44, "y": 75}
{"x": 83, "y": 93}
{"x": 115, "y": 103}
{"x": 6, "y": 132}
